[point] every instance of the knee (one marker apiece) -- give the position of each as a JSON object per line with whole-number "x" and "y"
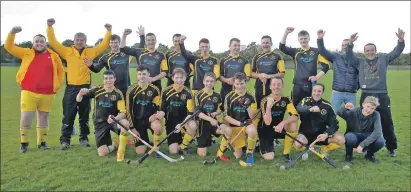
{"x": 140, "y": 150}
{"x": 191, "y": 128}
{"x": 251, "y": 131}
{"x": 201, "y": 152}
{"x": 103, "y": 151}
{"x": 125, "y": 123}
{"x": 340, "y": 139}
{"x": 156, "y": 126}
{"x": 350, "y": 139}
{"x": 226, "y": 130}
{"x": 292, "y": 127}
{"x": 268, "y": 156}
{"x": 380, "y": 142}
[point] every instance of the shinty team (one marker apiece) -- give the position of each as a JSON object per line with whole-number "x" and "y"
{"x": 246, "y": 119}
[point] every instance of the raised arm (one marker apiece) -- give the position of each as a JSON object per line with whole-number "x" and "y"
{"x": 289, "y": 51}
{"x": 100, "y": 48}
{"x": 57, "y": 46}
{"x": 321, "y": 48}
{"x": 394, "y": 54}
{"x": 142, "y": 34}
{"x": 349, "y": 53}
{"x": 10, "y": 46}
{"x": 189, "y": 57}
{"x": 127, "y": 50}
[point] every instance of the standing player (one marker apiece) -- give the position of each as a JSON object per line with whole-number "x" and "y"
{"x": 176, "y": 106}
{"x": 176, "y": 60}
{"x": 209, "y": 103}
{"x": 142, "y": 100}
{"x": 274, "y": 107}
{"x": 40, "y": 75}
{"x": 318, "y": 120}
{"x": 373, "y": 82}
{"x": 240, "y": 108}
{"x": 202, "y": 64}
{"x": 345, "y": 75}
{"x": 231, "y": 65}
{"x": 78, "y": 76}
{"x": 149, "y": 57}
{"x": 108, "y": 100}
{"x": 305, "y": 59}
{"x": 118, "y": 61}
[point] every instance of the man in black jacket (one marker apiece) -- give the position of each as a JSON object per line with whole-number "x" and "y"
{"x": 363, "y": 129}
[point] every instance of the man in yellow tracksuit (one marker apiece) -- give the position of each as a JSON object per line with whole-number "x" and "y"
{"x": 78, "y": 76}
{"x": 40, "y": 75}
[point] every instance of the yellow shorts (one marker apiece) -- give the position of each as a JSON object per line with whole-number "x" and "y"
{"x": 30, "y": 101}
{"x": 239, "y": 142}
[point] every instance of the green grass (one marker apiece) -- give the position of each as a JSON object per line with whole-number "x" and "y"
{"x": 80, "y": 168}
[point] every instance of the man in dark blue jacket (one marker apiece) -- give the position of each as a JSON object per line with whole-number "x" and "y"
{"x": 345, "y": 78}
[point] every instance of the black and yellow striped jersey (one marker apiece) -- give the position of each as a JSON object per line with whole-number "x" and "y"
{"x": 154, "y": 60}
{"x": 207, "y": 102}
{"x": 176, "y": 103}
{"x": 268, "y": 63}
{"x": 236, "y": 105}
{"x": 278, "y": 110}
{"x": 176, "y": 60}
{"x": 230, "y": 65}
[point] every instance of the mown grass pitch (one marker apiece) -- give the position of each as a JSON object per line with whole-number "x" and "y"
{"x": 80, "y": 168}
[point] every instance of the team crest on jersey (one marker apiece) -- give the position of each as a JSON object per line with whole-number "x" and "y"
{"x": 210, "y": 62}
{"x": 215, "y": 99}
{"x": 247, "y": 101}
{"x": 149, "y": 93}
{"x": 106, "y": 95}
{"x": 283, "y": 104}
{"x": 311, "y": 52}
{"x": 157, "y": 56}
{"x": 323, "y": 112}
{"x": 240, "y": 61}
{"x": 113, "y": 98}
{"x": 183, "y": 96}
{"x": 272, "y": 57}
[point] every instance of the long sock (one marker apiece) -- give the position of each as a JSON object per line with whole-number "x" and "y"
{"x": 251, "y": 144}
{"x": 122, "y": 146}
{"x": 41, "y": 135}
{"x": 156, "y": 139}
{"x": 24, "y": 134}
{"x": 329, "y": 147}
{"x": 186, "y": 141}
{"x": 223, "y": 145}
{"x": 288, "y": 143}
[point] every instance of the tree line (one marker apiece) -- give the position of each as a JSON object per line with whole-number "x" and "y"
{"x": 251, "y": 49}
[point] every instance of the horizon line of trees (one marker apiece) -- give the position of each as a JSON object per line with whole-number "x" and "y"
{"x": 251, "y": 49}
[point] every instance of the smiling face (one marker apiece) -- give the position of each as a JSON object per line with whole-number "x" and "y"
{"x": 276, "y": 86}
{"x": 317, "y": 92}
{"x": 151, "y": 41}
{"x": 235, "y": 46}
{"x": 39, "y": 43}
{"x": 370, "y": 50}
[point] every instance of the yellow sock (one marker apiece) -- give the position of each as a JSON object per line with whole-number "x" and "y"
{"x": 122, "y": 146}
{"x": 288, "y": 143}
{"x": 156, "y": 139}
{"x": 329, "y": 147}
{"x": 223, "y": 145}
{"x": 251, "y": 144}
{"x": 24, "y": 134}
{"x": 41, "y": 135}
{"x": 186, "y": 141}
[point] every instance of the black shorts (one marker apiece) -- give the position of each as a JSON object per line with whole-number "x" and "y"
{"x": 142, "y": 126}
{"x": 266, "y": 138}
{"x": 225, "y": 89}
{"x": 205, "y": 132}
{"x": 259, "y": 91}
{"x": 171, "y": 124}
{"x": 299, "y": 92}
{"x": 312, "y": 137}
{"x": 102, "y": 134}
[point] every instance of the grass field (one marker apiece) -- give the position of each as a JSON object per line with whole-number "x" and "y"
{"x": 81, "y": 169}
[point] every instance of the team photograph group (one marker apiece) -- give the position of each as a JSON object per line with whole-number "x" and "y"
{"x": 192, "y": 112}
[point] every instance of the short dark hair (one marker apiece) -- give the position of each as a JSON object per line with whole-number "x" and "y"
{"x": 303, "y": 33}
{"x": 277, "y": 78}
{"x": 321, "y": 85}
{"x": 210, "y": 74}
{"x": 109, "y": 72}
{"x": 150, "y": 34}
{"x": 203, "y": 40}
{"x": 240, "y": 76}
{"x": 234, "y": 39}
{"x": 370, "y": 44}
{"x": 143, "y": 68}
{"x": 266, "y": 36}
{"x": 40, "y": 35}
{"x": 115, "y": 37}
{"x": 177, "y": 35}
{"x": 179, "y": 70}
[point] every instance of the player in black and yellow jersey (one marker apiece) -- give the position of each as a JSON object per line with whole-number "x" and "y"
{"x": 202, "y": 64}
{"x": 318, "y": 120}
{"x": 209, "y": 103}
{"x": 176, "y": 106}
{"x": 107, "y": 101}
{"x": 306, "y": 60}
{"x": 142, "y": 100}
{"x": 272, "y": 123}
{"x": 118, "y": 61}
{"x": 149, "y": 57}
{"x": 231, "y": 65}
{"x": 176, "y": 60}
{"x": 266, "y": 66}
{"x": 240, "y": 109}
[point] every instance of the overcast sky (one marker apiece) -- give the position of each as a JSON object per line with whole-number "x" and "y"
{"x": 375, "y": 22}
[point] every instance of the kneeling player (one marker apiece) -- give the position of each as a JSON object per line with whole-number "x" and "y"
{"x": 143, "y": 100}
{"x": 107, "y": 101}
{"x": 273, "y": 108}
{"x": 240, "y": 108}
{"x": 318, "y": 121}
{"x": 176, "y": 106}
{"x": 209, "y": 103}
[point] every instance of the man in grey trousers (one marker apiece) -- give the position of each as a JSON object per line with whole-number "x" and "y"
{"x": 345, "y": 78}
{"x": 373, "y": 82}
